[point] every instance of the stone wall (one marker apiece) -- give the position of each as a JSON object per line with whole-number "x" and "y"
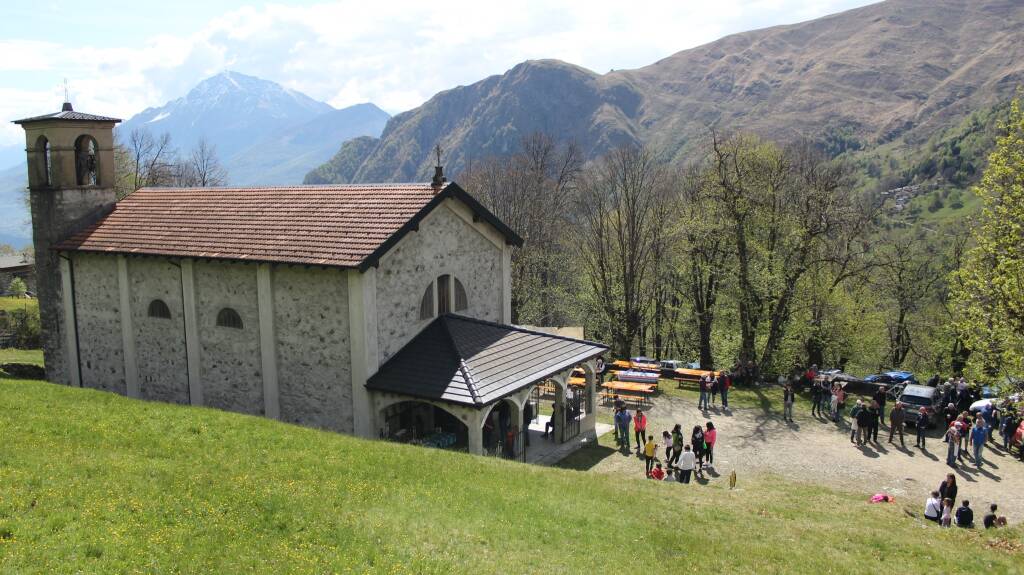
{"x": 313, "y": 350}
{"x": 101, "y": 348}
{"x": 159, "y": 343}
{"x": 229, "y": 362}
{"x": 445, "y": 243}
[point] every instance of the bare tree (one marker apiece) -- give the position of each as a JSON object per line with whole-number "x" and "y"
{"x": 532, "y": 191}
{"x": 620, "y": 209}
{"x": 910, "y": 273}
{"x": 203, "y": 168}
{"x": 145, "y": 161}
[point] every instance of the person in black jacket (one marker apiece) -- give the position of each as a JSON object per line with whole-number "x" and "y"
{"x": 873, "y": 416}
{"x": 948, "y": 489}
{"x": 879, "y": 397}
{"x": 863, "y": 425}
{"x": 965, "y": 515}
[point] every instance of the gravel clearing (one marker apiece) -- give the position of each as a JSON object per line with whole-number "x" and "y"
{"x": 757, "y": 440}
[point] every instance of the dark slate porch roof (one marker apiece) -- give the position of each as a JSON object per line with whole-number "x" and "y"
{"x": 474, "y": 362}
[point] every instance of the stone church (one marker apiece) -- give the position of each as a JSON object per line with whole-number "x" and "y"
{"x": 381, "y": 310}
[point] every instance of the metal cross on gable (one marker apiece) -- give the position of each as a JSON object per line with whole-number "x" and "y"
{"x": 437, "y": 150}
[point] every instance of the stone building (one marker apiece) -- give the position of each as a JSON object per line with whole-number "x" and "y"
{"x": 20, "y": 266}
{"x": 380, "y": 310}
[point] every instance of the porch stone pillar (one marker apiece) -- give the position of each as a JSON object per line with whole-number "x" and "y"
{"x": 558, "y": 416}
{"x": 475, "y": 427}
{"x": 589, "y": 423}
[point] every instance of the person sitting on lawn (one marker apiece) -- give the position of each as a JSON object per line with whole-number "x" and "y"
{"x": 990, "y": 520}
{"x": 658, "y": 474}
{"x": 933, "y": 507}
{"x": 965, "y": 516}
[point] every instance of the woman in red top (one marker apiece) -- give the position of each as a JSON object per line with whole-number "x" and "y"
{"x": 710, "y": 435}
{"x": 640, "y": 429}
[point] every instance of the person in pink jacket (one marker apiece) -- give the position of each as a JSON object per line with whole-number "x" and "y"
{"x": 710, "y": 435}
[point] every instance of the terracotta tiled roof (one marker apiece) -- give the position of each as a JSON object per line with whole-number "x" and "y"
{"x": 343, "y": 226}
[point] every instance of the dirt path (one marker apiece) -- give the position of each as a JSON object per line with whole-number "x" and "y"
{"x": 752, "y": 441}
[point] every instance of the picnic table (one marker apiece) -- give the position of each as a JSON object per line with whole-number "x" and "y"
{"x": 623, "y": 364}
{"x": 638, "y": 392}
{"x": 693, "y": 375}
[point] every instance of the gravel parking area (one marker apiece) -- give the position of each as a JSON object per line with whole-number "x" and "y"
{"x": 757, "y": 440}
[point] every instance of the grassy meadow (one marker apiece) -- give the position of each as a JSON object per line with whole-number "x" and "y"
{"x": 9, "y": 304}
{"x": 11, "y": 355}
{"x": 97, "y": 483}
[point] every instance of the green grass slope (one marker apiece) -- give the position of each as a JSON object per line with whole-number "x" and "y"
{"x": 93, "y": 482}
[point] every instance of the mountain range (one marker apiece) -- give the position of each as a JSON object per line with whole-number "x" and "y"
{"x": 895, "y": 71}
{"x": 263, "y": 133}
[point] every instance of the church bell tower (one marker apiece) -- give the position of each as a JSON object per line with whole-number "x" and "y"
{"x": 71, "y": 186}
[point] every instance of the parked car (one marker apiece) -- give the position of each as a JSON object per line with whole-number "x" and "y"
{"x": 914, "y": 397}
{"x": 669, "y": 367}
{"x": 892, "y": 377}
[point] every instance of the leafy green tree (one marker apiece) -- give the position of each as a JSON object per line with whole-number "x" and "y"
{"x": 989, "y": 286}
{"x": 17, "y": 287}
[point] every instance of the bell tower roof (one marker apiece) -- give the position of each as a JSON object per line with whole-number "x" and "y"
{"x": 67, "y": 113}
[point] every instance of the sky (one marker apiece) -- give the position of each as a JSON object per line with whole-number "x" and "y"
{"x": 122, "y": 56}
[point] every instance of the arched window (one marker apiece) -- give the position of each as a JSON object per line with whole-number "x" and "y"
{"x": 444, "y": 294}
{"x": 451, "y": 296}
{"x": 228, "y": 317}
{"x": 158, "y": 309}
{"x": 87, "y": 163}
{"x": 43, "y": 160}
{"x": 427, "y": 303}
{"x": 461, "y": 301}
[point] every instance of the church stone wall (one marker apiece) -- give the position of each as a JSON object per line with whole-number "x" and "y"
{"x": 445, "y": 243}
{"x": 230, "y": 364}
{"x": 159, "y": 343}
{"x": 97, "y": 301}
{"x": 313, "y": 349}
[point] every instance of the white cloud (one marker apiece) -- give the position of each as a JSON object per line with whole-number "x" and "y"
{"x": 395, "y": 54}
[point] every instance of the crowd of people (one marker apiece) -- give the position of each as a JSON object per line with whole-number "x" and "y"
{"x": 684, "y": 459}
{"x": 676, "y": 458}
{"x": 938, "y": 508}
{"x": 965, "y": 432}
{"x": 710, "y": 386}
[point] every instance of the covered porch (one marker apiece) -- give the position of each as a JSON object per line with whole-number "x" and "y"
{"x": 477, "y": 386}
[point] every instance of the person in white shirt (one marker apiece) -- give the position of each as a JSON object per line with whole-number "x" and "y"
{"x": 686, "y": 464}
{"x": 933, "y": 508}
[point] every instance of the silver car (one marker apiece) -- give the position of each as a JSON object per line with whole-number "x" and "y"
{"x": 914, "y": 397}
